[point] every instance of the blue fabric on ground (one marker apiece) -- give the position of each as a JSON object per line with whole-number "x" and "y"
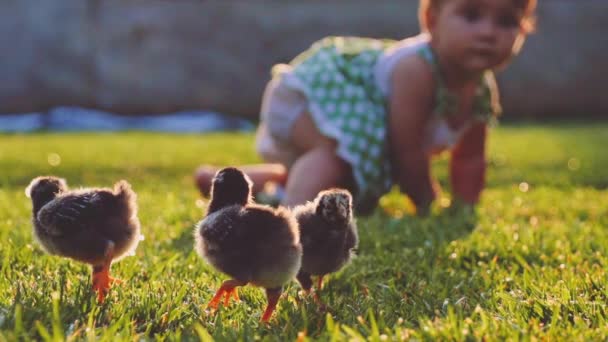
{"x": 82, "y": 119}
{"x": 27, "y": 122}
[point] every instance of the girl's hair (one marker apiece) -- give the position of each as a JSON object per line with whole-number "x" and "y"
{"x": 527, "y": 6}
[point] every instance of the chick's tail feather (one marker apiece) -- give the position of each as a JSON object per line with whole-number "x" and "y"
{"x": 124, "y": 192}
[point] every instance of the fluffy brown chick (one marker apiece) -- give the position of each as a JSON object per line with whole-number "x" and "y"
{"x": 251, "y": 243}
{"x": 94, "y": 226}
{"x": 328, "y": 233}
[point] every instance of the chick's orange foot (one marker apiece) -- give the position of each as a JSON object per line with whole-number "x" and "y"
{"x": 227, "y": 290}
{"x": 231, "y": 294}
{"x": 273, "y": 296}
{"x": 102, "y": 282}
{"x": 305, "y": 280}
{"x": 320, "y": 282}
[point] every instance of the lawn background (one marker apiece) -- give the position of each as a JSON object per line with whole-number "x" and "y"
{"x": 528, "y": 263}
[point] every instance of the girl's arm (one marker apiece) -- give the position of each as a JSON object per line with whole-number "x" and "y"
{"x": 468, "y": 165}
{"x": 410, "y": 106}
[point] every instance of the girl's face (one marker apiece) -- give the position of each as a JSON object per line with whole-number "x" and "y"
{"x": 475, "y": 35}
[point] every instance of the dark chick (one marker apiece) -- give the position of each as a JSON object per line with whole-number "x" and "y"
{"x": 328, "y": 233}
{"x": 94, "y": 226}
{"x": 250, "y": 243}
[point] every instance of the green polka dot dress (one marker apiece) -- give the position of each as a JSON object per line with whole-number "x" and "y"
{"x": 336, "y": 75}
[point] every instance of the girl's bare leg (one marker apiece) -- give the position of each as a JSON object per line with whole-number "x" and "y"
{"x": 318, "y": 167}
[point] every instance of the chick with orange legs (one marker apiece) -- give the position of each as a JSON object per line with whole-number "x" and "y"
{"x": 96, "y": 226}
{"x": 253, "y": 244}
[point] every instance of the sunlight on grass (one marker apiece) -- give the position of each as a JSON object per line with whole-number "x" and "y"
{"x": 529, "y": 262}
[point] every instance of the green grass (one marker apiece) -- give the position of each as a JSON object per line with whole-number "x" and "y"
{"x": 528, "y": 263}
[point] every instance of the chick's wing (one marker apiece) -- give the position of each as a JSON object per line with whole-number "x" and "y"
{"x": 73, "y": 213}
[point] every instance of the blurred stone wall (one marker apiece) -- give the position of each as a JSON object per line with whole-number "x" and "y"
{"x": 150, "y": 56}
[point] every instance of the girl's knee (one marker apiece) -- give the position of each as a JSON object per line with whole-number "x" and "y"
{"x": 325, "y": 163}
{"x": 316, "y": 170}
